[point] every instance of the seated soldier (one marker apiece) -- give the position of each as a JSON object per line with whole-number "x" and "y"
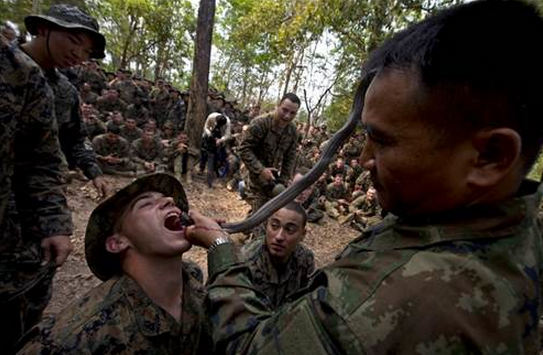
{"x": 92, "y": 125}
{"x": 147, "y": 154}
{"x": 308, "y": 199}
{"x": 116, "y": 119}
{"x": 130, "y": 130}
{"x": 177, "y": 154}
{"x": 113, "y": 153}
{"x": 279, "y": 264}
{"x": 150, "y": 301}
{"x": 336, "y": 203}
{"x": 364, "y": 211}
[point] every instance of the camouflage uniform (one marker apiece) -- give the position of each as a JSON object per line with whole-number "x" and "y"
{"x": 77, "y": 150}
{"x": 177, "y": 114}
{"x": 119, "y": 149}
{"x": 277, "y": 284}
{"x": 127, "y": 90}
{"x": 312, "y": 209}
{"x": 364, "y": 180}
{"x": 117, "y": 317}
{"x": 105, "y": 104}
{"x": 334, "y": 193}
{"x": 131, "y": 134}
{"x": 88, "y": 97}
{"x": 137, "y": 112}
{"x": 94, "y": 128}
{"x": 264, "y": 145}
{"x": 32, "y": 205}
{"x": 463, "y": 282}
{"x": 363, "y": 213}
{"x": 146, "y": 153}
{"x": 95, "y": 78}
{"x": 162, "y": 100}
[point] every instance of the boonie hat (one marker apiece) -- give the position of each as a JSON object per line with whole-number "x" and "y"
{"x": 71, "y": 18}
{"x": 102, "y": 263}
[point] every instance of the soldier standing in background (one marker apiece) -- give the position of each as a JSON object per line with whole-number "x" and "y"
{"x": 35, "y": 222}
{"x": 268, "y": 150}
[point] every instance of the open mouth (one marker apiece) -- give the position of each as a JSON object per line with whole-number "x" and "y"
{"x": 173, "y": 222}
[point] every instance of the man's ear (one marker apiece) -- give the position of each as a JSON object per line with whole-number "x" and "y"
{"x": 116, "y": 243}
{"x": 497, "y": 154}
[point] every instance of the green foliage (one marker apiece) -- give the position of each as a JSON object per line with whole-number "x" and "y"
{"x": 152, "y": 37}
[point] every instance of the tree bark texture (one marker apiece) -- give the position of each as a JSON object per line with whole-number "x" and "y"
{"x": 197, "y": 109}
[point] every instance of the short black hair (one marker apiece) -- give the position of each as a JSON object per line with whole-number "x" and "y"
{"x": 296, "y": 207}
{"x": 292, "y": 97}
{"x": 483, "y": 57}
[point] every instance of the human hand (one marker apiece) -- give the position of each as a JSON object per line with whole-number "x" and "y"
{"x": 204, "y": 231}
{"x": 101, "y": 186}
{"x": 267, "y": 174}
{"x": 57, "y": 247}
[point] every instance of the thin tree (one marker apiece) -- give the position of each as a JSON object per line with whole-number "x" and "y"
{"x": 197, "y": 109}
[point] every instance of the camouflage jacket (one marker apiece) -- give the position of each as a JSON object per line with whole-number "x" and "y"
{"x": 131, "y": 134}
{"x": 72, "y": 133}
{"x": 369, "y": 208}
{"x": 264, "y": 145}
{"x": 117, "y": 317}
{"x": 119, "y": 148}
{"x": 278, "y": 285}
{"x": 137, "y": 112}
{"x": 105, "y": 104}
{"x": 335, "y": 192}
{"x": 32, "y": 205}
{"x": 463, "y": 282}
{"x": 142, "y": 153}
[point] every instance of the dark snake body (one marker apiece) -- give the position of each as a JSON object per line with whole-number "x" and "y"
{"x": 311, "y": 177}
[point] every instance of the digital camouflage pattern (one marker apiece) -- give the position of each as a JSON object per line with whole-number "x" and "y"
{"x": 131, "y": 134}
{"x": 106, "y": 104}
{"x": 72, "y": 134}
{"x": 118, "y": 148}
{"x": 462, "y": 282}
{"x": 32, "y": 205}
{"x": 264, "y": 145}
{"x": 137, "y": 112}
{"x": 117, "y": 317}
{"x": 142, "y": 152}
{"x": 278, "y": 284}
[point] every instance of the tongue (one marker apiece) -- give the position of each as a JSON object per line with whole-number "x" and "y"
{"x": 173, "y": 223}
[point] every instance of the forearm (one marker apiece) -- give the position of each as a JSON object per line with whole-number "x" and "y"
{"x": 242, "y": 322}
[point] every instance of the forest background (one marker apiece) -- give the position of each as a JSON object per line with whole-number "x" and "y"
{"x": 260, "y": 48}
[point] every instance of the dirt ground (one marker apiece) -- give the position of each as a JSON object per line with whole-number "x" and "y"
{"x": 74, "y": 278}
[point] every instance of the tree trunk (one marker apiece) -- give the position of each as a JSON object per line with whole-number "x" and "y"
{"x": 197, "y": 109}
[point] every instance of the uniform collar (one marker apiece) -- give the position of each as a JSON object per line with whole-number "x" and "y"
{"x": 152, "y": 319}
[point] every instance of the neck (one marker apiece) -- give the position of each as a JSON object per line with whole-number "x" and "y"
{"x": 37, "y": 50}
{"x": 161, "y": 279}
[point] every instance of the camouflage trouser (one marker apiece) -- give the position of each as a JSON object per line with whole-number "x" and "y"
{"x": 256, "y": 199}
{"x": 118, "y": 169}
{"x": 20, "y": 314}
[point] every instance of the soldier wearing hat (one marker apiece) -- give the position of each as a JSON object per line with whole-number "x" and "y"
{"x": 35, "y": 222}
{"x": 71, "y": 23}
{"x": 150, "y": 300}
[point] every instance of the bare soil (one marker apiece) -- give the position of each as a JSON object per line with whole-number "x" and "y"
{"x": 74, "y": 278}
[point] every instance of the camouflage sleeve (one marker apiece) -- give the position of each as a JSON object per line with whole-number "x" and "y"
{"x": 250, "y": 142}
{"x": 72, "y": 139}
{"x": 242, "y": 323}
{"x": 289, "y": 161}
{"x": 135, "y": 153}
{"x": 38, "y": 187}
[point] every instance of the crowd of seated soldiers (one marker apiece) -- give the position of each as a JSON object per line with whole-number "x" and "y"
{"x": 137, "y": 127}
